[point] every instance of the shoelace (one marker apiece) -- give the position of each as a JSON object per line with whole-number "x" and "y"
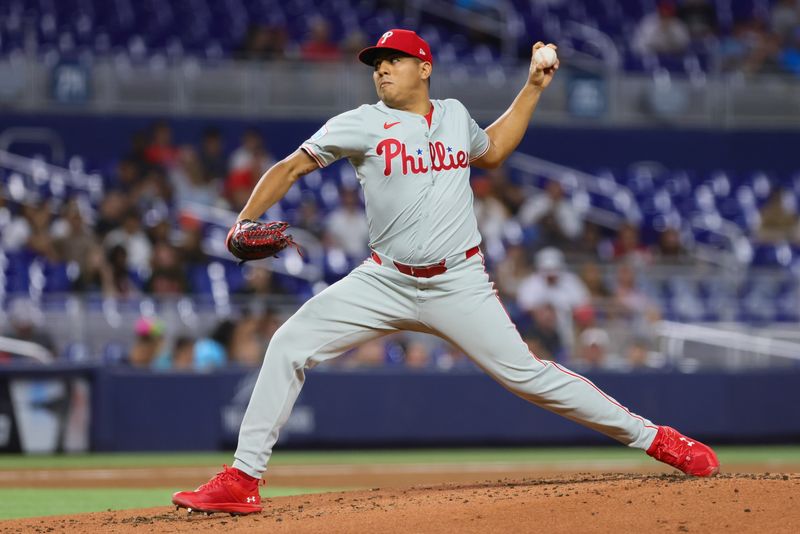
{"x": 227, "y": 474}
{"x": 679, "y": 453}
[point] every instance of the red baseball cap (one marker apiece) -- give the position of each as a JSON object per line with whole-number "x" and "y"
{"x": 405, "y": 41}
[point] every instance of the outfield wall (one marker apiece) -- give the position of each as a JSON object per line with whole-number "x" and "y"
{"x": 142, "y": 411}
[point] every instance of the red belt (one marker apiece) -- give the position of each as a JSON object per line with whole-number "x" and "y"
{"x": 425, "y": 271}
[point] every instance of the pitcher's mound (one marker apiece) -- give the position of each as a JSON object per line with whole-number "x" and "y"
{"x": 576, "y": 503}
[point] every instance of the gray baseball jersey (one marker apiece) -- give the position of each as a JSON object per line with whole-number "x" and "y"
{"x": 415, "y": 178}
{"x": 419, "y": 209}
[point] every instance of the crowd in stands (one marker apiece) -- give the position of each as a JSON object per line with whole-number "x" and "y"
{"x": 565, "y": 284}
{"x": 763, "y": 41}
{"x": 739, "y": 35}
{"x": 575, "y": 289}
{"x": 765, "y": 38}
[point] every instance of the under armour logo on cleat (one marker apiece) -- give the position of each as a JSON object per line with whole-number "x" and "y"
{"x": 689, "y": 443}
{"x": 251, "y": 499}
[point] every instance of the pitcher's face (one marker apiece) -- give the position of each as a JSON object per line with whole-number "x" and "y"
{"x": 398, "y": 76}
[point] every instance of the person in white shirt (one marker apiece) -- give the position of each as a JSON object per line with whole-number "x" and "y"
{"x": 552, "y": 284}
{"x": 347, "y": 225}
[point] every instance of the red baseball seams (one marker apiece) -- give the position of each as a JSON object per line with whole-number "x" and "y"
{"x": 554, "y": 364}
{"x": 442, "y": 159}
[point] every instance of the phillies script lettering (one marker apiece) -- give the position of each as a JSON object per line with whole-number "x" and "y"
{"x": 442, "y": 158}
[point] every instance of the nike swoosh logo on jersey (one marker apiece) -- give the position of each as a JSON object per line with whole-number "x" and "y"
{"x": 387, "y": 125}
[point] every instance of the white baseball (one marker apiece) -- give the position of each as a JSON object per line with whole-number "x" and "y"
{"x": 545, "y": 56}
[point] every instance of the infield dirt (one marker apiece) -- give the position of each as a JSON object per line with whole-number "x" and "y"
{"x": 594, "y": 503}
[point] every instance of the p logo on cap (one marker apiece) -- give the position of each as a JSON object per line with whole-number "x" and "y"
{"x": 405, "y": 41}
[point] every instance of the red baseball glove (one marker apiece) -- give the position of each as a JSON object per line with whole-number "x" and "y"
{"x": 254, "y": 240}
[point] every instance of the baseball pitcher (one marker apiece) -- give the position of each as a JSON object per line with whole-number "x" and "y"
{"x": 412, "y": 156}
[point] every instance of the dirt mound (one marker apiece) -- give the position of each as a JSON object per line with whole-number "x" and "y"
{"x": 575, "y": 503}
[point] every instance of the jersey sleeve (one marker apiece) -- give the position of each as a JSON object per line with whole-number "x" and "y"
{"x": 478, "y": 140}
{"x": 340, "y": 137}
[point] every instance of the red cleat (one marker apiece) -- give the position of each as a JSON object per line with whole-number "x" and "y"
{"x": 230, "y": 491}
{"x": 688, "y": 455}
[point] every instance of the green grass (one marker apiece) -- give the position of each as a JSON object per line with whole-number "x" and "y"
{"x": 731, "y": 454}
{"x": 30, "y": 502}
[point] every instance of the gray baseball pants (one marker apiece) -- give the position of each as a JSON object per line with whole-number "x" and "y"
{"x": 461, "y": 307}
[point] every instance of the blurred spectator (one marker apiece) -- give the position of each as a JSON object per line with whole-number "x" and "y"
{"x": 369, "y": 354}
{"x": 73, "y": 238}
{"x": 183, "y": 354}
{"x": 119, "y": 282}
{"x": 95, "y": 273}
{"x": 490, "y": 212}
{"x": 40, "y": 239}
{"x": 542, "y": 335}
{"x": 212, "y": 155}
{"x": 168, "y": 274}
{"x": 264, "y": 43}
{"x": 591, "y": 351}
{"x": 247, "y": 163}
{"x": 509, "y": 193}
{"x": 212, "y": 352}
{"x": 778, "y": 221}
{"x": 160, "y": 149}
{"x": 148, "y": 343}
{"x": 140, "y": 140}
{"x": 785, "y": 19}
{"x": 131, "y": 236}
{"x": 669, "y": 249}
{"x": 511, "y": 271}
{"x": 637, "y": 355}
{"x": 268, "y": 324}
{"x": 661, "y": 32}
{"x": 557, "y": 219}
{"x": 627, "y": 246}
{"x": 260, "y": 281}
{"x": 309, "y": 217}
{"x": 126, "y": 176}
{"x": 417, "y": 355}
{"x": 160, "y": 232}
{"x": 631, "y": 303}
{"x": 347, "y": 225}
{"x": 699, "y": 17}
{"x": 318, "y": 46}
{"x": 247, "y": 344}
{"x": 592, "y": 277}
{"x": 191, "y": 181}
{"x": 750, "y": 48}
{"x": 553, "y": 285}
{"x": 154, "y": 191}
{"x": 250, "y": 153}
{"x": 353, "y": 43}
{"x": 26, "y": 323}
{"x": 191, "y": 247}
{"x": 112, "y": 211}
